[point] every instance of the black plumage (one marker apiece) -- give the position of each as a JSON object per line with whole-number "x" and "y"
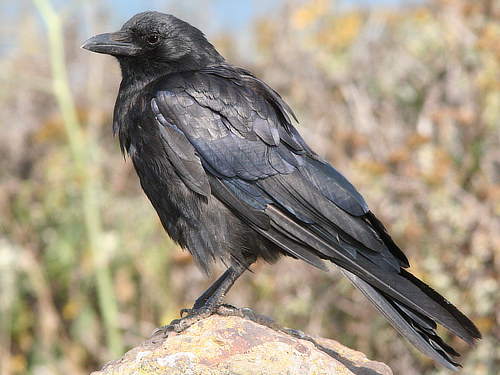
{"x": 233, "y": 181}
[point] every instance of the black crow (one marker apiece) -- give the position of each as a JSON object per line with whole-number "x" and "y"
{"x": 233, "y": 181}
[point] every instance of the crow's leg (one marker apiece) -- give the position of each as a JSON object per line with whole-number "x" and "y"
{"x": 208, "y": 303}
{"x": 202, "y": 300}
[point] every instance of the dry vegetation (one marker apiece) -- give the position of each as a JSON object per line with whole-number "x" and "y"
{"x": 406, "y": 102}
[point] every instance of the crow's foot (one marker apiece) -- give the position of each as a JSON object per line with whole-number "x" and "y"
{"x": 191, "y": 316}
{"x": 194, "y": 315}
{"x": 178, "y": 325}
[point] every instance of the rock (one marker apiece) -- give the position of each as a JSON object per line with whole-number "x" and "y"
{"x": 234, "y": 345}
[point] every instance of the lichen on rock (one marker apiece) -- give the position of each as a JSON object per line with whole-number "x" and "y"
{"x": 234, "y": 345}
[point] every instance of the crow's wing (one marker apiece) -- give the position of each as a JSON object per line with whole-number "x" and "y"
{"x": 226, "y": 127}
{"x": 249, "y": 144}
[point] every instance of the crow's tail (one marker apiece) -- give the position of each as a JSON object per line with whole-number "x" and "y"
{"x": 416, "y": 327}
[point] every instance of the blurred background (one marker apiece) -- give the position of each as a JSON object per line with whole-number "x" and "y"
{"x": 402, "y": 97}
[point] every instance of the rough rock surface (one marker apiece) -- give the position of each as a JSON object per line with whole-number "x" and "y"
{"x": 234, "y": 345}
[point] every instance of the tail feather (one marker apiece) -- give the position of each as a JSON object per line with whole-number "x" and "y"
{"x": 465, "y": 322}
{"x": 417, "y": 329}
{"x": 399, "y": 286}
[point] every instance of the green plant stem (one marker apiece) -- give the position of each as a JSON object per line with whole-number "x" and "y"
{"x": 78, "y": 146}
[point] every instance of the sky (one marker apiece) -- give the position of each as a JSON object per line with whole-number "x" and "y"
{"x": 227, "y": 14}
{"x": 217, "y": 15}
{"x": 212, "y": 16}
{"x": 222, "y": 16}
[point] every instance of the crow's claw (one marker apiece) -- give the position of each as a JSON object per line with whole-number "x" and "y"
{"x": 186, "y": 311}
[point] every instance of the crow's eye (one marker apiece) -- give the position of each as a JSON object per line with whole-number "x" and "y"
{"x": 153, "y": 39}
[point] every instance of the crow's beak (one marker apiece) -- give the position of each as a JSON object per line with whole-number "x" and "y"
{"x": 116, "y": 44}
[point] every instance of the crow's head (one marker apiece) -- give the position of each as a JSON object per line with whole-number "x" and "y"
{"x": 153, "y": 44}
